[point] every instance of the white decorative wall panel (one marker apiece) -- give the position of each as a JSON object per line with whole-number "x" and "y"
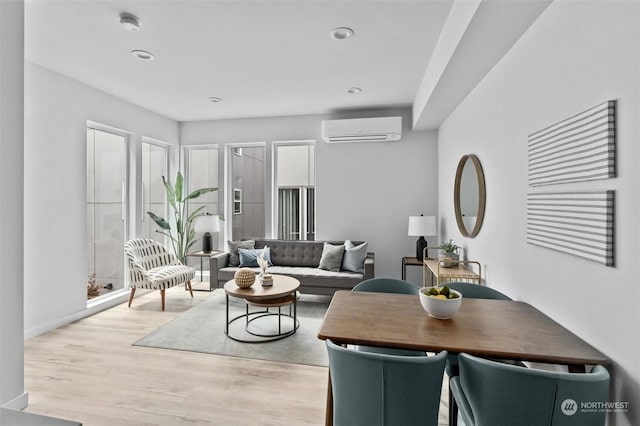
{"x": 578, "y": 223}
{"x": 579, "y": 148}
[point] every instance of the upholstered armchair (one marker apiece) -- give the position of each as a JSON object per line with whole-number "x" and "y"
{"x": 153, "y": 267}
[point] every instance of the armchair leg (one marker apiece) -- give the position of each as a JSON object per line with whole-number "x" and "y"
{"x": 133, "y": 291}
{"x": 189, "y": 285}
{"x": 162, "y": 297}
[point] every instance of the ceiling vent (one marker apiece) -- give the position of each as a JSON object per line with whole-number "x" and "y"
{"x": 378, "y": 129}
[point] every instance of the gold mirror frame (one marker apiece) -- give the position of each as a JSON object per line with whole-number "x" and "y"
{"x": 481, "y": 195}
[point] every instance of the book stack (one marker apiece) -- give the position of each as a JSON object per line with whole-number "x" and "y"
{"x": 267, "y": 280}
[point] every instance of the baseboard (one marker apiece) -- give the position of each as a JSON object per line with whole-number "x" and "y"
{"x": 18, "y": 403}
{"x": 92, "y": 308}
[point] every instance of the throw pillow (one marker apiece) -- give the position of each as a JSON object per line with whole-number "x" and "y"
{"x": 354, "y": 257}
{"x": 249, "y": 257}
{"x": 331, "y": 258}
{"x": 234, "y": 257}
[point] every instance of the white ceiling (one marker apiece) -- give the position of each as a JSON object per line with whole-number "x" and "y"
{"x": 262, "y": 57}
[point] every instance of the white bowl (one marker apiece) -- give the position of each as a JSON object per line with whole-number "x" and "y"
{"x": 440, "y": 308}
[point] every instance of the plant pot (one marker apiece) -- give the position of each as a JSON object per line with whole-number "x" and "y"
{"x": 449, "y": 260}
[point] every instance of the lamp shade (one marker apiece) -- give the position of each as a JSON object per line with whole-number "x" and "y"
{"x": 208, "y": 223}
{"x": 420, "y": 226}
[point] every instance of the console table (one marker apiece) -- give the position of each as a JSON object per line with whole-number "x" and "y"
{"x": 440, "y": 274}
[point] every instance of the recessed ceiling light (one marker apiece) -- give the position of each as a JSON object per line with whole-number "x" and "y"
{"x": 354, "y": 90}
{"x": 214, "y": 99}
{"x": 341, "y": 33}
{"x": 142, "y": 54}
{"x": 129, "y": 22}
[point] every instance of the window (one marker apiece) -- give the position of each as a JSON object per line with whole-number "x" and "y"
{"x": 154, "y": 167}
{"x": 106, "y": 211}
{"x": 295, "y": 184}
{"x": 237, "y": 201}
{"x": 202, "y": 172}
{"x": 247, "y": 187}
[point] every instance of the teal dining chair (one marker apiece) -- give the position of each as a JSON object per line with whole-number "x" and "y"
{"x": 477, "y": 291}
{"x": 490, "y": 393}
{"x": 387, "y": 285}
{"x": 469, "y": 291}
{"x": 376, "y": 389}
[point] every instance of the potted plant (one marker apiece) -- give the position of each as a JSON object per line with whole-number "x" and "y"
{"x": 450, "y": 253}
{"x": 183, "y": 236}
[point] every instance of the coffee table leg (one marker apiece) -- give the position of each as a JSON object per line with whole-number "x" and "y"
{"x": 226, "y": 327}
{"x": 279, "y": 320}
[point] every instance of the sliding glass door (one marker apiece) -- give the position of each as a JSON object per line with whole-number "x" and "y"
{"x": 106, "y": 211}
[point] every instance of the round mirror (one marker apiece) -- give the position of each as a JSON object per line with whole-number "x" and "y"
{"x": 469, "y": 195}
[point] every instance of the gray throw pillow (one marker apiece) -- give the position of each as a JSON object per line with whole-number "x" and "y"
{"x": 331, "y": 259}
{"x": 249, "y": 258}
{"x": 354, "y": 257}
{"x": 234, "y": 258}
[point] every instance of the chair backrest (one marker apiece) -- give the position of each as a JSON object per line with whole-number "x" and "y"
{"x": 378, "y": 389}
{"x": 477, "y": 291}
{"x": 148, "y": 254}
{"x": 386, "y": 285}
{"x": 502, "y": 394}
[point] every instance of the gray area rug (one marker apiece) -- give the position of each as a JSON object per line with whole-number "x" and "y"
{"x": 201, "y": 329}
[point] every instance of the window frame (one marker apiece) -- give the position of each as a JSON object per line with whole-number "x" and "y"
{"x": 126, "y": 199}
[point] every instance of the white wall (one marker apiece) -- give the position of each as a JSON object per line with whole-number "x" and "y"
{"x": 56, "y": 113}
{"x": 11, "y": 207}
{"x": 364, "y": 191}
{"x": 577, "y": 55}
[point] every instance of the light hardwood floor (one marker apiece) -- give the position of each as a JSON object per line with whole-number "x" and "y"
{"x": 89, "y": 371}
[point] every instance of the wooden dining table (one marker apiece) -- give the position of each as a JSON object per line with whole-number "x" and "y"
{"x": 498, "y": 329}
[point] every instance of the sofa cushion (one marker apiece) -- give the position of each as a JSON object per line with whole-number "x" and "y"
{"x": 293, "y": 253}
{"x": 331, "y": 259}
{"x": 353, "y": 259}
{"x": 234, "y": 257}
{"x": 298, "y": 271}
{"x": 309, "y": 277}
{"x": 249, "y": 257}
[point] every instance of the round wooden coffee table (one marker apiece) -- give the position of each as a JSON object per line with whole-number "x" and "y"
{"x": 283, "y": 292}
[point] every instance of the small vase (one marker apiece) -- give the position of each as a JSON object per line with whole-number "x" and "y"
{"x": 449, "y": 260}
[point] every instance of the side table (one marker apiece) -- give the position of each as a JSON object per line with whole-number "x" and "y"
{"x": 203, "y": 255}
{"x": 409, "y": 261}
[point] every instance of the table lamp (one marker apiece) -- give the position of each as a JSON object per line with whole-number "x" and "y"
{"x": 207, "y": 223}
{"x": 419, "y": 226}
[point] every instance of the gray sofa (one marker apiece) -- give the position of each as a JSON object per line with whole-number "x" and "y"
{"x": 299, "y": 259}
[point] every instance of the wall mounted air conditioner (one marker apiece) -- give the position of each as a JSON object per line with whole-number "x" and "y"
{"x": 378, "y": 129}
